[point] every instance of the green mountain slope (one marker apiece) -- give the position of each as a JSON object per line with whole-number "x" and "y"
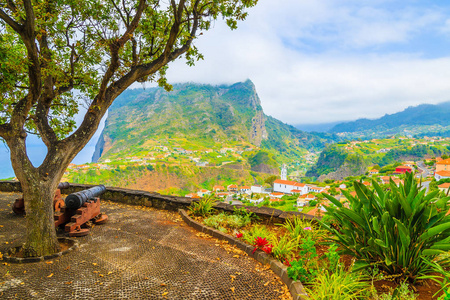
{"x": 198, "y": 117}
{"x": 425, "y": 119}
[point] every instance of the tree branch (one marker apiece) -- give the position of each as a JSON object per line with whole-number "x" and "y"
{"x": 115, "y": 47}
{"x": 5, "y": 129}
{"x": 13, "y": 24}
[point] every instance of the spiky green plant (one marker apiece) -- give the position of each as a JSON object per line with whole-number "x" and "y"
{"x": 340, "y": 285}
{"x": 284, "y": 248}
{"x": 257, "y": 231}
{"x": 203, "y": 207}
{"x": 395, "y": 229}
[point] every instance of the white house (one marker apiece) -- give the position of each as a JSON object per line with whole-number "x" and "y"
{"x": 304, "y": 200}
{"x": 289, "y": 187}
{"x": 442, "y": 175}
{"x": 315, "y": 189}
{"x": 245, "y": 189}
{"x": 203, "y": 192}
{"x": 257, "y": 189}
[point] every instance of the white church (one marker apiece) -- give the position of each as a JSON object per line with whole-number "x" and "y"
{"x": 291, "y": 187}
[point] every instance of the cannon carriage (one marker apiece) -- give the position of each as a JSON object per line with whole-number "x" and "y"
{"x": 76, "y": 211}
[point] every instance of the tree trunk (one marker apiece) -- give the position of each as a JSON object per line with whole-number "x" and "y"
{"x": 38, "y": 188}
{"x": 41, "y": 237}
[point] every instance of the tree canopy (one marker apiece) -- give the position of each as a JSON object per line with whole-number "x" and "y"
{"x": 57, "y": 54}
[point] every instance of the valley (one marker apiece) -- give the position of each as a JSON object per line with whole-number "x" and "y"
{"x": 201, "y": 140}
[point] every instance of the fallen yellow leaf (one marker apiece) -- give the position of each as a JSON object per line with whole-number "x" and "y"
{"x": 94, "y": 264}
{"x": 232, "y": 278}
{"x": 50, "y": 275}
{"x": 49, "y": 262}
{"x": 68, "y": 282}
{"x": 236, "y": 256}
{"x": 165, "y": 293}
{"x": 232, "y": 289}
{"x": 267, "y": 283}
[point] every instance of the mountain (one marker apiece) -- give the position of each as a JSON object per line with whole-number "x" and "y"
{"x": 424, "y": 119}
{"x": 198, "y": 117}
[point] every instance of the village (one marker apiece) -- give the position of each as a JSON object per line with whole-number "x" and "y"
{"x": 308, "y": 197}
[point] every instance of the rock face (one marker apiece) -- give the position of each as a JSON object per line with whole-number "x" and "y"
{"x": 263, "y": 168}
{"x": 258, "y": 131}
{"x": 98, "y": 148}
{"x": 345, "y": 170}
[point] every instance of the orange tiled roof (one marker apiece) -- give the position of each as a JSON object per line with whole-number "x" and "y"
{"x": 403, "y": 167}
{"x": 444, "y": 173}
{"x": 444, "y": 162}
{"x": 445, "y": 185}
{"x": 287, "y": 182}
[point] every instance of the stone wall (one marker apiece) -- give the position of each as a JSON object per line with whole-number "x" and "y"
{"x": 149, "y": 199}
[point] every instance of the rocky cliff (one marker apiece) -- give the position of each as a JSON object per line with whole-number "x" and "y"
{"x": 202, "y": 116}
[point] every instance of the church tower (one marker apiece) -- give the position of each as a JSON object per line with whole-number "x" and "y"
{"x": 284, "y": 172}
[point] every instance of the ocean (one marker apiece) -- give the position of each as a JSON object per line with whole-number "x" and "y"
{"x": 37, "y": 151}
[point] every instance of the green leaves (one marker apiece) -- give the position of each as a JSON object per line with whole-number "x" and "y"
{"x": 394, "y": 228}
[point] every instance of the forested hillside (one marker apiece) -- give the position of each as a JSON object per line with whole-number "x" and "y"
{"x": 422, "y": 120}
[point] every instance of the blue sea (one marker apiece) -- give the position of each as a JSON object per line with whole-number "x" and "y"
{"x": 37, "y": 150}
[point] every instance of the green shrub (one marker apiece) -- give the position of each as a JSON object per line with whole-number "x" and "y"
{"x": 204, "y": 207}
{"x": 306, "y": 267}
{"x": 223, "y": 220}
{"x": 397, "y": 230}
{"x": 401, "y": 292}
{"x": 257, "y": 231}
{"x": 341, "y": 285}
{"x": 284, "y": 248}
{"x": 298, "y": 227}
{"x": 243, "y": 212}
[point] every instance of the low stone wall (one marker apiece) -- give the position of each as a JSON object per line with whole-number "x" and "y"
{"x": 149, "y": 199}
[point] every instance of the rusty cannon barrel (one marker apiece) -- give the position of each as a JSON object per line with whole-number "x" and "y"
{"x": 63, "y": 185}
{"x": 76, "y": 200}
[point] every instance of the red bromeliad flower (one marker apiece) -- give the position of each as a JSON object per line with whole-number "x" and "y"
{"x": 239, "y": 234}
{"x": 268, "y": 248}
{"x": 259, "y": 243}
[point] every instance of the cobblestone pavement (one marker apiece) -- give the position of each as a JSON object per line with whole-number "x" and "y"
{"x": 140, "y": 253}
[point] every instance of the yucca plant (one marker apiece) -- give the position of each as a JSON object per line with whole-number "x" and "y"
{"x": 340, "y": 285}
{"x": 203, "y": 207}
{"x": 397, "y": 229}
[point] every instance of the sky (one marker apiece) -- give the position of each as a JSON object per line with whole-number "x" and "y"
{"x": 331, "y": 60}
{"x": 319, "y": 61}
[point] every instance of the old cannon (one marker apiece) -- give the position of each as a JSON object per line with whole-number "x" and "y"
{"x": 75, "y": 211}
{"x": 80, "y": 208}
{"x": 19, "y": 205}
{"x": 76, "y": 200}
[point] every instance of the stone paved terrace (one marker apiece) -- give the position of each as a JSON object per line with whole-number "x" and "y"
{"x": 141, "y": 253}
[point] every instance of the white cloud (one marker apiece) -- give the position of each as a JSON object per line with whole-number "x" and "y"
{"x": 276, "y": 47}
